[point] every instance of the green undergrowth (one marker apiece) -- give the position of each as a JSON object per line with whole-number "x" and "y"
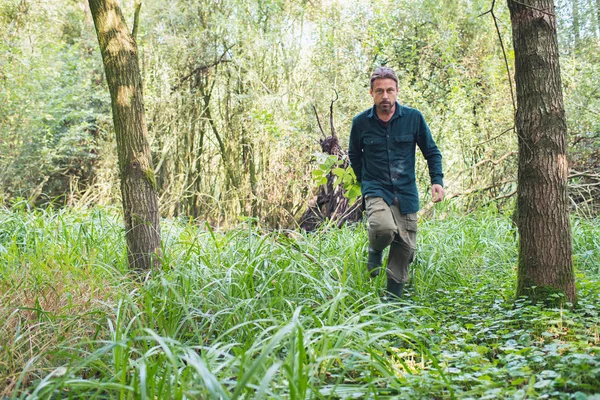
{"x": 254, "y": 313}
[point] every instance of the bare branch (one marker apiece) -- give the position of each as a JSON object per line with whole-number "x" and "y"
{"x": 512, "y": 128}
{"x": 584, "y": 185}
{"x": 495, "y": 162}
{"x": 331, "y": 112}
{"x": 512, "y": 94}
{"x": 482, "y": 189}
{"x": 203, "y": 68}
{"x": 486, "y": 161}
{"x": 503, "y": 196}
{"x": 587, "y": 174}
{"x": 319, "y": 122}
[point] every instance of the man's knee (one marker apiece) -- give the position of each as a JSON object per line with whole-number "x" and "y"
{"x": 380, "y": 238}
{"x": 399, "y": 260}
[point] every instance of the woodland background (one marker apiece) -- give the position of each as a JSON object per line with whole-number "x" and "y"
{"x": 234, "y": 308}
{"x": 230, "y": 86}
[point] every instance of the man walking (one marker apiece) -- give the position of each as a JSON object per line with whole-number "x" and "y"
{"x": 382, "y": 155}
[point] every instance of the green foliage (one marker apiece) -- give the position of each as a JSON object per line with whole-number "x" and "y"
{"x": 229, "y": 91}
{"x": 278, "y": 314}
{"x": 55, "y": 107}
{"x": 332, "y": 166}
{"x": 325, "y": 163}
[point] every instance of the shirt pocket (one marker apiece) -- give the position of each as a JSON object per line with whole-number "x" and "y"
{"x": 404, "y": 146}
{"x": 373, "y": 142}
{"x": 404, "y": 140}
{"x": 374, "y": 148}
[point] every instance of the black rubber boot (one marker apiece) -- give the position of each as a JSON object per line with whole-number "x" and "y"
{"x": 394, "y": 289}
{"x": 374, "y": 262}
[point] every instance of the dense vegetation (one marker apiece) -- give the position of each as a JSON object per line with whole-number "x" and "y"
{"x": 244, "y": 304}
{"x": 230, "y": 86}
{"x": 258, "y": 313}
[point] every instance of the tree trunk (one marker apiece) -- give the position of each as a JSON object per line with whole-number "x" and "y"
{"x": 545, "y": 253}
{"x": 598, "y": 16}
{"x": 576, "y": 34}
{"x": 138, "y": 183}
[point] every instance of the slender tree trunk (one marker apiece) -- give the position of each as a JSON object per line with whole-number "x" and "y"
{"x": 545, "y": 253}
{"x": 598, "y": 16}
{"x": 138, "y": 183}
{"x": 576, "y": 34}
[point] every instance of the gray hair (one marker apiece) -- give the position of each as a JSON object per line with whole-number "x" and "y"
{"x": 383, "y": 73}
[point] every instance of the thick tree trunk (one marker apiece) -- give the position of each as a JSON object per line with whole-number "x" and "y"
{"x": 545, "y": 253}
{"x": 138, "y": 184}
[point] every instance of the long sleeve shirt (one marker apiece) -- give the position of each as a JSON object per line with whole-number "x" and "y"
{"x": 382, "y": 155}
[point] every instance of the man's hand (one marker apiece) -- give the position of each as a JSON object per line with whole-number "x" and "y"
{"x": 437, "y": 193}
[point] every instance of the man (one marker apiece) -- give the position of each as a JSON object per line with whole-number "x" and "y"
{"x": 382, "y": 155}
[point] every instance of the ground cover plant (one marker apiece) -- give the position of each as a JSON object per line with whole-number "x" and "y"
{"x": 256, "y": 313}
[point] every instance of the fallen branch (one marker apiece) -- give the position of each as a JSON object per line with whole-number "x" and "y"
{"x": 586, "y": 174}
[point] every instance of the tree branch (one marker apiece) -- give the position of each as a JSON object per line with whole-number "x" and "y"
{"x": 512, "y": 94}
{"x": 319, "y": 122}
{"x": 203, "y": 68}
{"x": 136, "y": 18}
{"x": 496, "y": 137}
{"x": 475, "y": 190}
{"x": 331, "y": 112}
{"x": 495, "y": 162}
{"x": 587, "y": 174}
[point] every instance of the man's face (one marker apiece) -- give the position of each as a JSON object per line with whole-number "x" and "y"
{"x": 384, "y": 93}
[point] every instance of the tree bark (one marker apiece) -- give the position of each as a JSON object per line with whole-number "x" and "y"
{"x": 138, "y": 183}
{"x": 545, "y": 252}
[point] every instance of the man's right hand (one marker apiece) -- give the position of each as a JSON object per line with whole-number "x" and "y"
{"x": 437, "y": 193}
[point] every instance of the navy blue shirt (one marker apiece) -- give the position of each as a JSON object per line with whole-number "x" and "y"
{"x": 382, "y": 155}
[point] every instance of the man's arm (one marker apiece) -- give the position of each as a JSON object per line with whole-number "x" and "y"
{"x": 434, "y": 160}
{"x": 355, "y": 151}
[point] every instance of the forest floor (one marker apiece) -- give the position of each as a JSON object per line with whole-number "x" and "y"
{"x": 255, "y": 313}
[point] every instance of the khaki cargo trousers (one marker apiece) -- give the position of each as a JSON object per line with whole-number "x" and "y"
{"x": 387, "y": 227}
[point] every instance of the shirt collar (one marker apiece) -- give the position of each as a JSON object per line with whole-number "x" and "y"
{"x": 398, "y": 112}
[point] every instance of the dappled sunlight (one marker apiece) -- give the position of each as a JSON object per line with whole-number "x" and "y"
{"x": 222, "y": 114}
{"x": 125, "y": 94}
{"x": 563, "y": 165}
{"x": 115, "y": 30}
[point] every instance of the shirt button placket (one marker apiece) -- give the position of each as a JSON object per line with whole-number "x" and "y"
{"x": 389, "y": 146}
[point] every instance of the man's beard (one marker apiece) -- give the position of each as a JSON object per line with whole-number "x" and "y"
{"x": 385, "y": 105}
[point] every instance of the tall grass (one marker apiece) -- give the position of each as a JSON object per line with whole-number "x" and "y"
{"x": 247, "y": 313}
